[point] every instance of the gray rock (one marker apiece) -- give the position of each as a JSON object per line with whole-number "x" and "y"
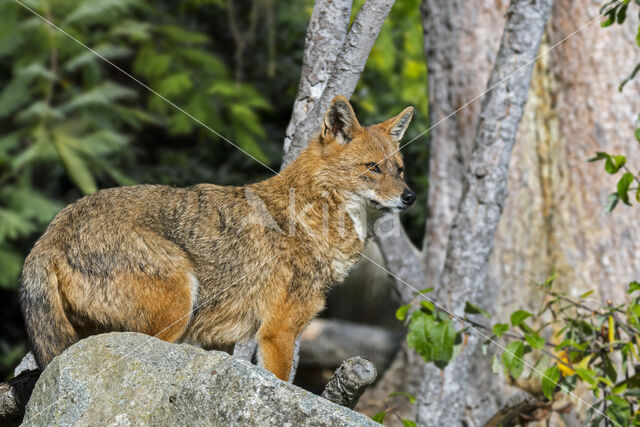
{"x": 28, "y": 363}
{"x": 133, "y": 379}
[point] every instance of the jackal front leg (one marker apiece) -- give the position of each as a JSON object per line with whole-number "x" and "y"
{"x": 276, "y": 341}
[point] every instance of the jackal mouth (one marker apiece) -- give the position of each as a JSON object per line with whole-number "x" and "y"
{"x": 379, "y": 206}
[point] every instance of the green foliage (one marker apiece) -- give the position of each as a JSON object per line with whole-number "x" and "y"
{"x": 72, "y": 123}
{"x": 69, "y": 114}
{"x": 624, "y": 191}
{"x": 432, "y": 332}
{"x": 391, "y": 410}
{"x": 578, "y": 343}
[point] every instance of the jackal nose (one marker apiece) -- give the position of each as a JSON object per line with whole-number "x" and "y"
{"x": 408, "y": 197}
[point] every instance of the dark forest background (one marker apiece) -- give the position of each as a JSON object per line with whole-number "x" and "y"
{"x": 71, "y": 123}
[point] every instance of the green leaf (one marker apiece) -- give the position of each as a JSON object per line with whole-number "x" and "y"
{"x": 402, "y": 311}
{"x": 427, "y": 305}
{"x": 633, "y": 287}
{"x": 622, "y": 13}
{"x": 433, "y": 340}
{"x": 10, "y": 266}
{"x": 13, "y": 225}
{"x": 614, "y": 163}
{"x": 623, "y": 187}
{"x": 612, "y": 201}
{"x": 14, "y": 95}
{"x": 76, "y": 167}
{"x": 412, "y": 398}
{"x": 95, "y": 11}
{"x": 600, "y": 155}
{"x": 535, "y": 340}
{"x": 628, "y": 79}
{"x": 181, "y": 35}
{"x": 175, "y": 84}
{"x": 611, "y": 18}
{"x": 586, "y": 294}
{"x": 550, "y": 381}
{"x": 443, "y": 337}
{"x": 499, "y": 329}
{"x": 136, "y": 31}
{"x": 30, "y": 203}
{"x": 379, "y": 417}
{"x": 106, "y": 50}
{"x": 587, "y": 376}
{"x": 426, "y": 291}
{"x": 495, "y": 365}
{"x": 38, "y": 111}
{"x": 408, "y": 423}
{"x": 519, "y": 316}
{"x": 512, "y": 358}
{"x": 470, "y": 308}
{"x": 102, "y": 95}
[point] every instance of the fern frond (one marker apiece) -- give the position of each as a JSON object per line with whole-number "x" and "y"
{"x": 95, "y": 11}
{"x": 14, "y": 95}
{"x": 13, "y": 225}
{"x": 109, "y": 51}
{"x": 102, "y": 95}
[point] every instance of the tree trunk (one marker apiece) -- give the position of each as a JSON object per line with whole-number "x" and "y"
{"x": 459, "y": 393}
{"x": 554, "y": 218}
{"x": 461, "y": 39}
{"x": 345, "y": 72}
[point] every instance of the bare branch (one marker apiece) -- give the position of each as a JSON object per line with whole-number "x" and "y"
{"x": 349, "y": 382}
{"x": 14, "y": 395}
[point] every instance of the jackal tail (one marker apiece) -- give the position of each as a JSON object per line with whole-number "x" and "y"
{"x": 48, "y": 328}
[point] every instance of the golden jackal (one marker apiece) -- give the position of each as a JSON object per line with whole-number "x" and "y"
{"x": 214, "y": 265}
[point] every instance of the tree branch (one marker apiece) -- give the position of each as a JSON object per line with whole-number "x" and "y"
{"x": 325, "y": 38}
{"x": 349, "y": 382}
{"x": 344, "y": 74}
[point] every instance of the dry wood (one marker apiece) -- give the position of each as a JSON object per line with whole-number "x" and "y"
{"x": 349, "y": 382}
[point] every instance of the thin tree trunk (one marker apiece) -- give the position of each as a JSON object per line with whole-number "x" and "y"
{"x": 344, "y": 74}
{"x": 325, "y": 37}
{"x": 461, "y": 39}
{"x": 459, "y": 393}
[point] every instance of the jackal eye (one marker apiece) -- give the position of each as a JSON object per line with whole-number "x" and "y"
{"x": 400, "y": 170}
{"x": 373, "y": 167}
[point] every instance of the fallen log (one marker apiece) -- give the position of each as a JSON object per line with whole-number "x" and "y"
{"x": 14, "y": 395}
{"x": 327, "y": 343}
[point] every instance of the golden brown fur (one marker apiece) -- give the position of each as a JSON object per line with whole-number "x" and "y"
{"x": 215, "y": 265}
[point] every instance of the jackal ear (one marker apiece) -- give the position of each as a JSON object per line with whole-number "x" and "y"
{"x": 340, "y": 121}
{"x": 396, "y": 126}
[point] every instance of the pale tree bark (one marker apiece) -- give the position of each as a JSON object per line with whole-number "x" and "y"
{"x": 554, "y": 218}
{"x": 325, "y": 37}
{"x": 461, "y": 39}
{"x": 345, "y": 71}
{"x": 458, "y": 394}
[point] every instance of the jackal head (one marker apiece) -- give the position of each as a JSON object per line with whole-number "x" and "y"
{"x": 366, "y": 159}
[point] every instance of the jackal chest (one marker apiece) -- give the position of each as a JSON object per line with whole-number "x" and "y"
{"x": 341, "y": 264}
